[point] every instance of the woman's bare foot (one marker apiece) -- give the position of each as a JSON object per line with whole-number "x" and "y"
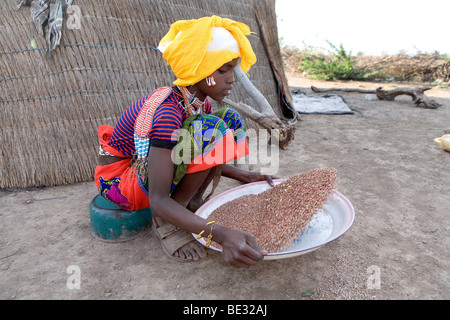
{"x": 191, "y": 251}
{"x": 177, "y": 243}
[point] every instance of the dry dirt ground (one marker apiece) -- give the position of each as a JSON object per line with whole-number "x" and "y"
{"x": 397, "y": 178}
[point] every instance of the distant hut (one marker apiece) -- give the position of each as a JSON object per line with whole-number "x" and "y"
{"x": 51, "y": 107}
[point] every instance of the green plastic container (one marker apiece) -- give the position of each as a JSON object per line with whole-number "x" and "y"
{"x": 112, "y": 224}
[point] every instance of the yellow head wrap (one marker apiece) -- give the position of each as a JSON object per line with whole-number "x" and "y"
{"x": 193, "y": 54}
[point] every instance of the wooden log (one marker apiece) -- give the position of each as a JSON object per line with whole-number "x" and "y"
{"x": 321, "y": 90}
{"x": 417, "y": 94}
{"x": 266, "y": 116}
{"x": 286, "y": 131}
{"x": 264, "y": 106}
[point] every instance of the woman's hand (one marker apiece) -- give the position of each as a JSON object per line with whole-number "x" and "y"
{"x": 246, "y": 176}
{"x": 257, "y": 176}
{"x": 239, "y": 248}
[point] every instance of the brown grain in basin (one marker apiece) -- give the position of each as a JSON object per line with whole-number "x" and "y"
{"x": 278, "y": 215}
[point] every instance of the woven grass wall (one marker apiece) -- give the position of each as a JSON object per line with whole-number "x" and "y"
{"x": 50, "y": 109}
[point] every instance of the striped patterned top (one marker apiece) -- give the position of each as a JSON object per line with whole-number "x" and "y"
{"x": 167, "y": 122}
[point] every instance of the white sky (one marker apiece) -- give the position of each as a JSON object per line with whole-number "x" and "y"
{"x": 370, "y": 27}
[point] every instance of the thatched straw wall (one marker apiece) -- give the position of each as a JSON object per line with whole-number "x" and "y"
{"x": 50, "y": 109}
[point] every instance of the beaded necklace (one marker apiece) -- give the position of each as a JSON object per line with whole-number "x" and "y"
{"x": 192, "y": 105}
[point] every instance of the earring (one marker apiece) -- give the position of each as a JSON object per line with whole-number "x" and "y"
{"x": 210, "y": 81}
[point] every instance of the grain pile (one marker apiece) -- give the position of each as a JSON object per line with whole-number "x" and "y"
{"x": 277, "y": 216}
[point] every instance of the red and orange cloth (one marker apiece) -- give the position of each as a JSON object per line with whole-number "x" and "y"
{"x": 207, "y": 140}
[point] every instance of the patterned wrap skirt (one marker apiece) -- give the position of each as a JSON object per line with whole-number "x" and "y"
{"x": 205, "y": 141}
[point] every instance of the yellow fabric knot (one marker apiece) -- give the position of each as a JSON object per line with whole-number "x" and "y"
{"x": 196, "y": 48}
